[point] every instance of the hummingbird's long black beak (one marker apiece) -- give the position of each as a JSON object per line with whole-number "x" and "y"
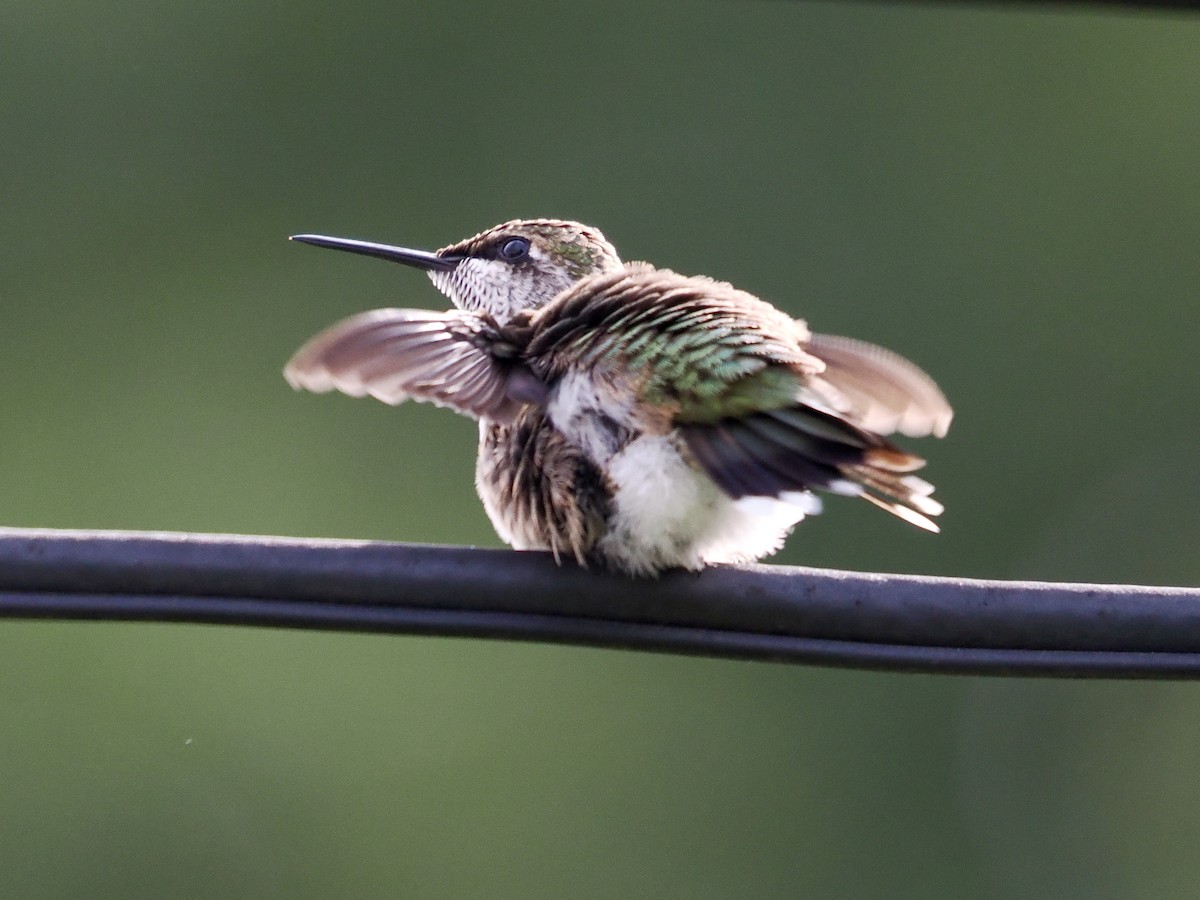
{"x": 421, "y": 259}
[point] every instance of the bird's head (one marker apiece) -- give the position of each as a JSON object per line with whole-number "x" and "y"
{"x": 518, "y": 266}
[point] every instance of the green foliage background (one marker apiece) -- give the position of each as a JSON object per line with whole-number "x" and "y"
{"x": 1009, "y": 197}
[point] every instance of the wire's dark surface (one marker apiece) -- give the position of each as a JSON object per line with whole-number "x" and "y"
{"x": 901, "y": 622}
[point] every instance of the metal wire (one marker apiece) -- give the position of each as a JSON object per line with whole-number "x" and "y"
{"x": 785, "y": 614}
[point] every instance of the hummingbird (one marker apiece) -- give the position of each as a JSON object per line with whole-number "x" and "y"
{"x": 630, "y": 417}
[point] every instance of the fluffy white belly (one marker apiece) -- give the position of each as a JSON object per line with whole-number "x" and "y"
{"x": 666, "y": 514}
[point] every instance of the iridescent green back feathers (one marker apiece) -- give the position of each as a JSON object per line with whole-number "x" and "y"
{"x": 698, "y": 347}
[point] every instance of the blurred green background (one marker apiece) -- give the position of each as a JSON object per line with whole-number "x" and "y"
{"x": 1010, "y": 197}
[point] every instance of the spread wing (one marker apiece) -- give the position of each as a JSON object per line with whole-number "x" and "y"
{"x": 833, "y": 440}
{"x": 884, "y": 391}
{"x": 456, "y": 359}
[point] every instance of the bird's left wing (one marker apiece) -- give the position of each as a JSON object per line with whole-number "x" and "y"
{"x": 885, "y": 392}
{"x": 456, "y": 359}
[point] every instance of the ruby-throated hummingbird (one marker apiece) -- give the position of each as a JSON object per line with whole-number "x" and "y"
{"x": 631, "y": 417}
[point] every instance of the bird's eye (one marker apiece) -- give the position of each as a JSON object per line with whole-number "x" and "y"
{"x": 514, "y": 249}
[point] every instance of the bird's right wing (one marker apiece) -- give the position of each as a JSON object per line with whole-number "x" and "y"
{"x": 455, "y": 359}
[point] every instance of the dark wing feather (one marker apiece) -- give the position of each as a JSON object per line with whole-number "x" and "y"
{"x": 456, "y": 359}
{"x": 799, "y": 448}
{"x": 885, "y": 392}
